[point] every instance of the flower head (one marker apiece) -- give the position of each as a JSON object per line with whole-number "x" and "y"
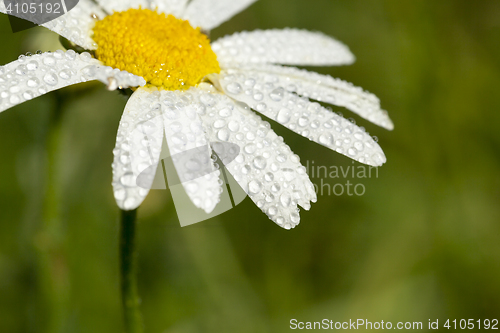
{"x": 195, "y": 94}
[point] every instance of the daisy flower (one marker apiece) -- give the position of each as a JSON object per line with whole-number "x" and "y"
{"x": 194, "y": 93}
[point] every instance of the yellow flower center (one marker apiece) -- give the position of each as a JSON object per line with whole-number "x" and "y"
{"x": 167, "y": 52}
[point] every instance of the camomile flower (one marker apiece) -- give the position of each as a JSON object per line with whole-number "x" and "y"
{"x": 194, "y": 93}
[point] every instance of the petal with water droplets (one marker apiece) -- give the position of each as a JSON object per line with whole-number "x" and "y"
{"x": 35, "y": 75}
{"x": 189, "y": 148}
{"x": 138, "y": 148}
{"x": 287, "y": 46}
{"x": 306, "y": 118}
{"x": 266, "y": 168}
{"x": 174, "y": 7}
{"x": 208, "y": 14}
{"x": 322, "y": 88}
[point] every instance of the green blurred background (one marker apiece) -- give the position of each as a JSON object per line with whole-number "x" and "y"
{"x": 422, "y": 243}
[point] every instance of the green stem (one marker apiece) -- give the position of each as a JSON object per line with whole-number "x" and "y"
{"x": 49, "y": 240}
{"x": 128, "y": 270}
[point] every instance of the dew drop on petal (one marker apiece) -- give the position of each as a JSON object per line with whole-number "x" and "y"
{"x": 277, "y": 94}
{"x": 254, "y": 187}
{"x": 233, "y": 126}
{"x": 284, "y": 116}
{"x": 285, "y": 199}
{"x": 326, "y": 139}
{"x": 128, "y": 179}
{"x": 223, "y": 135}
{"x": 50, "y": 79}
{"x": 269, "y": 177}
{"x": 120, "y": 194}
{"x": 295, "y": 217}
{"x": 234, "y": 88}
{"x": 272, "y": 211}
{"x": 259, "y": 162}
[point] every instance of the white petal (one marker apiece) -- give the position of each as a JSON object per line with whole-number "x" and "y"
{"x": 288, "y": 47}
{"x": 208, "y": 14}
{"x": 76, "y": 25}
{"x": 138, "y": 147}
{"x": 174, "y": 7}
{"x": 266, "y": 169}
{"x": 35, "y": 75}
{"x": 122, "y": 5}
{"x": 308, "y": 119}
{"x": 190, "y": 150}
{"x": 323, "y": 88}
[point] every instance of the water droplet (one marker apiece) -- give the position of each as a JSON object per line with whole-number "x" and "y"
{"x": 14, "y": 99}
{"x": 246, "y": 169}
{"x": 249, "y": 82}
{"x": 272, "y": 211}
{"x": 281, "y": 158}
{"x": 261, "y": 107}
{"x": 288, "y": 173}
{"x": 226, "y": 112}
{"x": 21, "y": 70}
{"x": 277, "y": 94}
{"x": 32, "y": 65}
{"x": 233, "y": 125}
{"x": 275, "y": 187}
{"x": 223, "y": 135}
{"x": 326, "y": 139}
{"x": 28, "y": 95}
{"x": 303, "y": 121}
{"x": 85, "y": 56}
{"x": 125, "y": 158}
{"x": 285, "y": 199}
{"x": 375, "y": 138}
{"x": 70, "y": 54}
{"x": 50, "y": 79}
{"x": 377, "y": 158}
{"x": 269, "y": 177}
{"x": 175, "y": 126}
{"x": 128, "y": 179}
{"x": 120, "y": 194}
{"x": 49, "y": 61}
{"x": 358, "y": 145}
{"x": 171, "y": 113}
{"x": 250, "y": 136}
{"x": 269, "y": 197}
{"x": 233, "y": 88}
{"x": 284, "y": 116}
{"x": 258, "y": 96}
{"x": 129, "y": 203}
{"x": 254, "y": 187}
{"x": 219, "y": 123}
{"x": 250, "y": 148}
{"x": 179, "y": 138}
{"x": 315, "y": 124}
{"x": 65, "y": 74}
{"x": 260, "y": 162}
{"x": 295, "y": 218}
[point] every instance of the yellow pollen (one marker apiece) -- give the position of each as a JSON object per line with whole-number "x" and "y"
{"x": 167, "y": 52}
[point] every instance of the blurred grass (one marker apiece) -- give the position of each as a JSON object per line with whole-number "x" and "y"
{"x": 422, "y": 243}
